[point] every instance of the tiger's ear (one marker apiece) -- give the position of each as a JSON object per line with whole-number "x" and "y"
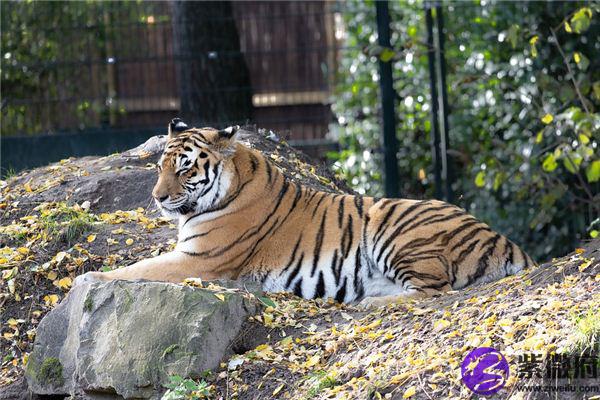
{"x": 227, "y": 138}
{"x": 229, "y": 133}
{"x": 176, "y": 126}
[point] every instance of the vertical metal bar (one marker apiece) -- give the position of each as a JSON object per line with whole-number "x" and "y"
{"x": 386, "y": 83}
{"x": 447, "y": 173}
{"x": 435, "y": 131}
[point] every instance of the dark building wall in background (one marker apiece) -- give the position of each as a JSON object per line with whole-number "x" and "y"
{"x": 289, "y": 49}
{"x": 18, "y": 153}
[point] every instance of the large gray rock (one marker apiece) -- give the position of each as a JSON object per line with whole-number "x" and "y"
{"x": 127, "y": 338}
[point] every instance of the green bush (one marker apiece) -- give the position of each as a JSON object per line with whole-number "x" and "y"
{"x": 523, "y": 88}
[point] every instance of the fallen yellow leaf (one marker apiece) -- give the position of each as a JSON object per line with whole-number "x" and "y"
{"x": 262, "y": 347}
{"x": 314, "y": 360}
{"x": 220, "y": 296}
{"x": 51, "y": 300}
{"x": 278, "y": 389}
{"x": 409, "y": 392}
{"x": 60, "y": 256}
{"x": 91, "y": 238}
{"x": 584, "y": 265}
{"x": 64, "y": 283}
{"x": 398, "y": 379}
{"x": 441, "y": 324}
{"x": 129, "y": 242}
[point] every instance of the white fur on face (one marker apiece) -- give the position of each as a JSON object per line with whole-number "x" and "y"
{"x": 207, "y": 202}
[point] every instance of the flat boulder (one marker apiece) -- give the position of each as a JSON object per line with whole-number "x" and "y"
{"x": 123, "y": 339}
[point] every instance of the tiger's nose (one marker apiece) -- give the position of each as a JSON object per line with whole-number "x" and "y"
{"x": 160, "y": 196}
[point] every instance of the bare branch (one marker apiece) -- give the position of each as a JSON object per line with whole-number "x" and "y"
{"x": 566, "y": 62}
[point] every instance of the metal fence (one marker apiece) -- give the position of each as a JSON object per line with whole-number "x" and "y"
{"x": 118, "y": 67}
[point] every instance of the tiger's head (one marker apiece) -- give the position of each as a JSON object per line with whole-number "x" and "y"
{"x": 191, "y": 176}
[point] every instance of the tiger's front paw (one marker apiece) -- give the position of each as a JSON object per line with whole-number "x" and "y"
{"x": 371, "y": 303}
{"x": 89, "y": 277}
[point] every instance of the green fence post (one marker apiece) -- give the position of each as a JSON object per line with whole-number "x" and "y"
{"x": 386, "y": 83}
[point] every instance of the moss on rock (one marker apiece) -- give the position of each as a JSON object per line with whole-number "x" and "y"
{"x": 50, "y": 372}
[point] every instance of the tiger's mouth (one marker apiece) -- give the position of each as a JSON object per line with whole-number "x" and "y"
{"x": 183, "y": 209}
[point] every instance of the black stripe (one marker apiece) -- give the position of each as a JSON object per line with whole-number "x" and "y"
{"x": 320, "y": 291}
{"x": 385, "y": 221}
{"x": 257, "y": 228}
{"x": 452, "y": 234}
{"x": 297, "y": 197}
{"x": 454, "y": 269}
{"x": 253, "y": 162}
{"x": 384, "y": 203}
{"x": 386, "y": 265}
{"x": 395, "y": 234}
{"x": 197, "y": 235}
{"x": 340, "y": 296}
{"x": 522, "y": 255}
{"x": 341, "y": 213}
{"x": 207, "y": 178}
{"x": 201, "y": 136}
{"x": 419, "y": 242}
{"x": 484, "y": 264}
{"x": 469, "y": 236}
{"x": 414, "y": 260}
{"x": 436, "y": 286}
{"x": 448, "y": 217}
{"x": 358, "y": 203}
{"x": 431, "y": 218}
{"x": 269, "y": 172}
{"x": 293, "y": 256}
{"x": 401, "y": 216}
{"x": 357, "y": 268}
{"x": 463, "y": 254}
{"x": 209, "y": 187}
{"x": 348, "y": 237}
{"x": 295, "y": 272}
{"x": 298, "y": 288}
{"x": 323, "y": 196}
{"x": 318, "y": 244}
{"x": 411, "y": 224}
{"x": 334, "y": 263}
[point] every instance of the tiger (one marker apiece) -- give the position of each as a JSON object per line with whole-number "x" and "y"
{"x": 240, "y": 217}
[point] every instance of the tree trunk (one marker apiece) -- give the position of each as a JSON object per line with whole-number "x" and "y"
{"x": 213, "y": 79}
